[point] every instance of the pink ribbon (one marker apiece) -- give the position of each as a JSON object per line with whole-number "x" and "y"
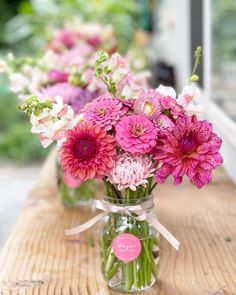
{"x": 139, "y": 210}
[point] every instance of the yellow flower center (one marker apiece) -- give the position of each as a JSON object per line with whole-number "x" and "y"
{"x": 149, "y": 108}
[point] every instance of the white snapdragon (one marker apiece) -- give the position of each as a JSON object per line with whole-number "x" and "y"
{"x": 187, "y": 99}
{"x": 51, "y": 124}
{"x": 18, "y": 82}
{"x": 166, "y": 91}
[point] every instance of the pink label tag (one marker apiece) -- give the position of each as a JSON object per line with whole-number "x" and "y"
{"x": 126, "y": 247}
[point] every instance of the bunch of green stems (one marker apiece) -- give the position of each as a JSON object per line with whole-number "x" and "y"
{"x": 72, "y": 196}
{"x": 139, "y": 273}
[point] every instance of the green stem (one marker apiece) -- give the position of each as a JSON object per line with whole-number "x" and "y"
{"x": 149, "y": 275}
{"x": 135, "y": 272}
{"x": 110, "y": 261}
{"x": 150, "y": 258}
{"x": 113, "y": 270}
{"x": 129, "y": 275}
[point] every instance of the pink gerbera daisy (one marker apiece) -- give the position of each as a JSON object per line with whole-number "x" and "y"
{"x": 191, "y": 149}
{"x": 136, "y": 134}
{"x": 88, "y": 152}
{"x": 105, "y": 111}
{"x": 131, "y": 171}
{"x": 148, "y": 104}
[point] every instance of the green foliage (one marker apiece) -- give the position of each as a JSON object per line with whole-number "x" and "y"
{"x": 32, "y": 105}
{"x": 102, "y": 72}
{"x": 16, "y": 141}
{"x": 197, "y": 56}
{"x": 224, "y": 33}
{"x": 38, "y": 18}
{"x": 19, "y": 144}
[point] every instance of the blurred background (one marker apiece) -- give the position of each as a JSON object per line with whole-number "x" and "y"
{"x": 165, "y": 32}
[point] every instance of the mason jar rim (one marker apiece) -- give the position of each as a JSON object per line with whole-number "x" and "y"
{"x": 125, "y": 202}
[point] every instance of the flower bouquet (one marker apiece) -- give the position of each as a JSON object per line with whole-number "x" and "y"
{"x": 133, "y": 139}
{"x": 66, "y": 69}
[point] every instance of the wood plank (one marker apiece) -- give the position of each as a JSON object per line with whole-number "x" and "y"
{"x": 38, "y": 259}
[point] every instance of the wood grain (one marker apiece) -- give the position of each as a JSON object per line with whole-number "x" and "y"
{"x": 38, "y": 259}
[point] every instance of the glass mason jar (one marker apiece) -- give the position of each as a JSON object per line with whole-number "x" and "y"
{"x": 130, "y": 250}
{"x": 72, "y": 192}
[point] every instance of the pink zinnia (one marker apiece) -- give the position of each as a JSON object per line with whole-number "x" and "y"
{"x": 164, "y": 123}
{"x": 191, "y": 149}
{"x": 131, "y": 171}
{"x": 88, "y": 152}
{"x": 170, "y": 104}
{"x": 136, "y": 134}
{"x": 105, "y": 111}
{"x": 148, "y": 104}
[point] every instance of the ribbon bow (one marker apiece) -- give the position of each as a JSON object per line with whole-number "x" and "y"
{"x": 141, "y": 215}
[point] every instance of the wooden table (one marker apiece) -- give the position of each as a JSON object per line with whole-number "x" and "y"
{"x": 38, "y": 259}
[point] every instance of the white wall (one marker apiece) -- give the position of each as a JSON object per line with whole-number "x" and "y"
{"x": 172, "y": 40}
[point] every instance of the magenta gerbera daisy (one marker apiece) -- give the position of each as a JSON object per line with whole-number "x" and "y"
{"x": 148, "y": 104}
{"x": 88, "y": 152}
{"x": 136, "y": 134}
{"x": 191, "y": 149}
{"x": 105, "y": 111}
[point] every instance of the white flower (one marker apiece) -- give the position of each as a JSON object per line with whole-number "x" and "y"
{"x": 189, "y": 93}
{"x": 37, "y": 79}
{"x": 18, "y": 82}
{"x": 193, "y": 109}
{"x": 166, "y": 91}
{"x": 3, "y": 66}
{"x": 51, "y": 123}
{"x": 49, "y": 58}
{"x": 77, "y": 119}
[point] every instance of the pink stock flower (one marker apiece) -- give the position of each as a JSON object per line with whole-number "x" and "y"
{"x": 131, "y": 171}
{"x": 148, "y": 104}
{"x": 191, "y": 149}
{"x": 91, "y": 82}
{"x": 63, "y": 39}
{"x": 74, "y": 56}
{"x": 88, "y": 152}
{"x": 67, "y": 38}
{"x": 57, "y": 76}
{"x": 136, "y": 134}
{"x": 105, "y": 111}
